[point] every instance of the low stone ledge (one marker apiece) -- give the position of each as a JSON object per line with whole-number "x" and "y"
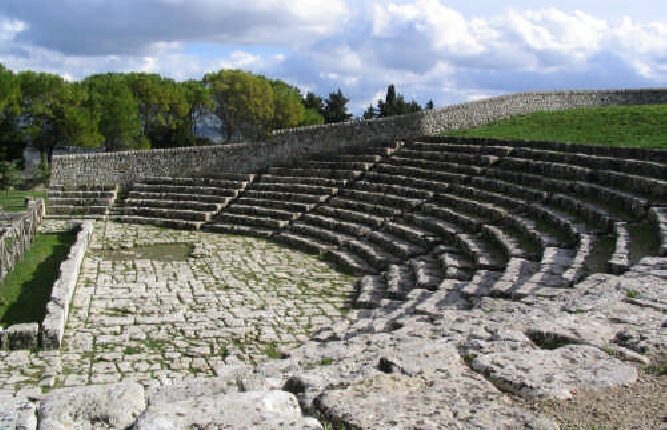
{"x": 57, "y": 309}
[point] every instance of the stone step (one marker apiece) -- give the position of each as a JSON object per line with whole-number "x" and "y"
{"x": 413, "y": 234}
{"x": 398, "y": 190}
{"x": 174, "y": 204}
{"x": 333, "y": 224}
{"x": 411, "y": 182}
{"x": 620, "y": 260}
{"x": 240, "y": 219}
{"x": 481, "y": 284}
{"x": 455, "y": 266}
{"x": 195, "y": 182}
{"x": 497, "y": 150}
{"x": 648, "y": 168}
{"x": 658, "y": 216}
{"x": 351, "y": 216}
{"x": 394, "y": 244}
{"x": 76, "y": 210}
{"x": 399, "y": 281}
{"x": 81, "y": 194}
{"x": 336, "y": 165}
{"x": 79, "y": 187}
{"x": 185, "y": 189}
{"x": 303, "y": 243}
{"x": 160, "y": 222}
{"x": 381, "y": 198}
{"x": 475, "y": 248}
{"x": 293, "y": 188}
{"x": 492, "y": 212}
{"x": 570, "y": 228}
{"x": 426, "y": 272}
{"x": 650, "y": 187}
{"x": 509, "y": 189}
{"x": 75, "y": 201}
{"x": 510, "y": 246}
{"x": 588, "y": 211}
{"x": 449, "y": 156}
{"x": 202, "y": 198}
{"x": 307, "y": 180}
{"x": 285, "y": 205}
{"x": 439, "y": 166}
{"x": 517, "y": 272}
{"x": 363, "y": 157}
{"x": 422, "y": 173}
{"x": 157, "y": 212}
{"x": 371, "y": 289}
{"x": 261, "y": 211}
{"x": 546, "y": 168}
{"x": 229, "y": 176}
{"x": 314, "y": 173}
{"x": 364, "y": 207}
{"x": 441, "y": 229}
{"x": 529, "y": 180}
{"x": 286, "y": 196}
{"x": 488, "y": 197}
{"x": 631, "y": 202}
{"x": 321, "y": 234}
{"x": 226, "y": 228}
{"x": 348, "y": 261}
{"x": 531, "y": 230}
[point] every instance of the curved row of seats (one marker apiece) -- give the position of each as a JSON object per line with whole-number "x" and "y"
{"x": 436, "y": 222}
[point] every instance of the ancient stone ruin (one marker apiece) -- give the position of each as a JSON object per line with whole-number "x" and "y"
{"x": 490, "y": 277}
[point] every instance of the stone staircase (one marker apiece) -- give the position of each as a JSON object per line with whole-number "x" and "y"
{"x": 80, "y": 202}
{"x": 435, "y": 223}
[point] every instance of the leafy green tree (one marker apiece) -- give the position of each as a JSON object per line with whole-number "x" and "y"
{"x": 335, "y": 109}
{"x": 10, "y": 175}
{"x": 199, "y": 102}
{"x": 11, "y": 142}
{"x": 429, "y": 105}
{"x": 118, "y": 111}
{"x": 242, "y": 100}
{"x": 312, "y": 117}
{"x": 288, "y": 110}
{"x": 9, "y": 91}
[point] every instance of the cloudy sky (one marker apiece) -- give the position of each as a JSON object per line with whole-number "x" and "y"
{"x": 450, "y": 51}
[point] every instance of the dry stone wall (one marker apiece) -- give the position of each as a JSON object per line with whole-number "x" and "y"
{"x": 285, "y": 145}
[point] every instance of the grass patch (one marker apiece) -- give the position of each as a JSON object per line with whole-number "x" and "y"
{"x": 640, "y": 126}
{"x": 14, "y": 201}
{"x": 271, "y": 351}
{"x": 631, "y": 294}
{"x": 644, "y": 241}
{"x": 26, "y": 289}
{"x": 326, "y": 361}
{"x": 598, "y": 260}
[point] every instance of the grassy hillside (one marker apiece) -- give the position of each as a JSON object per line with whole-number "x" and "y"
{"x": 644, "y": 126}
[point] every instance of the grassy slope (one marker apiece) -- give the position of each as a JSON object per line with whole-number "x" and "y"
{"x": 13, "y": 201}
{"x": 644, "y": 126}
{"x": 26, "y": 289}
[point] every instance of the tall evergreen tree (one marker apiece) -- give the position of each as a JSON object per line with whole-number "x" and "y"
{"x": 335, "y": 109}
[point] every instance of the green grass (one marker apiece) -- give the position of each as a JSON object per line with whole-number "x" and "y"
{"x": 13, "y": 201}
{"x": 26, "y": 289}
{"x": 642, "y": 126}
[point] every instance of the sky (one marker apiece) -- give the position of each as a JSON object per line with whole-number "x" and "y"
{"x": 448, "y": 51}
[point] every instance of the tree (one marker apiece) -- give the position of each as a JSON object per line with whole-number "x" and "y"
{"x": 395, "y": 104}
{"x": 370, "y": 112}
{"x": 314, "y": 102}
{"x": 118, "y": 111}
{"x": 11, "y": 142}
{"x": 288, "y": 110}
{"x": 429, "y": 105}
{"x": 199, "y": 102}
{"x": 10, "y": 175}
{"x": 312, "y": 117}
{"x": 242, "y": 100}
{"x": 9, "y": 91}
{"x": 335, "y": 109}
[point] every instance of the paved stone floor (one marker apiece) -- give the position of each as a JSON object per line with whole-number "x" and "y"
{"x": 154, "y": 305}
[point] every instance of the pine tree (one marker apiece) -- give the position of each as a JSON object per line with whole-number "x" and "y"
{"x": 335, "y": 109}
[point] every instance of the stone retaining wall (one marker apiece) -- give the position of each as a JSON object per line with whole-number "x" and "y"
{"x": 50, "y": 331}
{"x": 284, "y": 145}
{"x": 57, "y": 309}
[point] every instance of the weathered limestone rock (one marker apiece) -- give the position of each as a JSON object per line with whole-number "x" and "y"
{"x": 554, "y": 373}
{"x": 249, "y": 410}
{"x": 114, "y": 406}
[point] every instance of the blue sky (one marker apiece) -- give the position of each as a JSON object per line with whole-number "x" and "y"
{"x": 450, "y": 51}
